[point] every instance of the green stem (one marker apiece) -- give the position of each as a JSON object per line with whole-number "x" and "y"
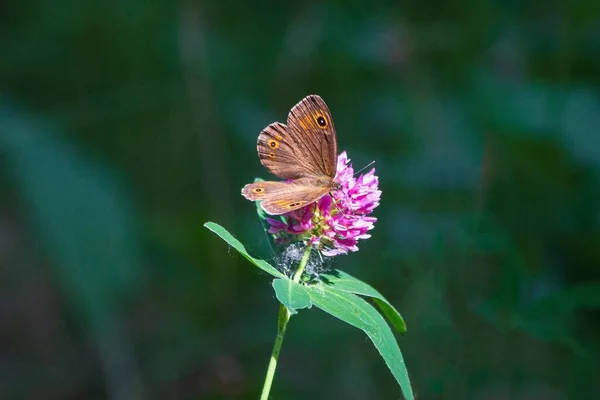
{"x": 302, "y": 264}
{"x": 284, "y": 318}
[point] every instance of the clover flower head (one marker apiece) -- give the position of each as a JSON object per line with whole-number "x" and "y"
{"x": 335, "y": 223}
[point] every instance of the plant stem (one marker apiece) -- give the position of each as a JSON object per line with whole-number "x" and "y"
{"x": 282, "y": 321}
{"x": 302, "y": 264}
{"x": 284, "y": 317}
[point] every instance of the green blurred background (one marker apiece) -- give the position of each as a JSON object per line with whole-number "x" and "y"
{"x": 125, "y": 125}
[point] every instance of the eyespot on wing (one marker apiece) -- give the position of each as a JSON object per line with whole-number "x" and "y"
{"x": 321, "y": 121}
{"x": 254, "y": 191}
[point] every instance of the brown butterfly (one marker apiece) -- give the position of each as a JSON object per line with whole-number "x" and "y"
{"x": 304, "y": 152}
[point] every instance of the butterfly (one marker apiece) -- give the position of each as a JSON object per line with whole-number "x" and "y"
{"x": 303, "y": 152}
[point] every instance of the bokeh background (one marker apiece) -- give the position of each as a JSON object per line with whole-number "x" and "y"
{"x": 125, "y": 125}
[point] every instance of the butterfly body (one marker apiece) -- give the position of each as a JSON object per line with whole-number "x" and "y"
{"x": 303, "y": 152}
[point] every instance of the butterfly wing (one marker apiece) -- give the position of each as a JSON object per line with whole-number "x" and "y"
{"x": 311, "y": 125}
{"x": 282, "y": 197}
{"x": 279, "y": 151}
{"x": 304, "y": 151}
{"x": 306, "y": 147}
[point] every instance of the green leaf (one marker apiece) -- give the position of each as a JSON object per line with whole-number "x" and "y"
{"x": 337, "y": 297}
{"x": 233, "y": 242}
{"x": 291, "y": 294}
{"x": 348, "y": 283}
{"x": 357, "y": 312}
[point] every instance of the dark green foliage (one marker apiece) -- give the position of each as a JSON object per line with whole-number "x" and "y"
{"x": 124, "y": 126}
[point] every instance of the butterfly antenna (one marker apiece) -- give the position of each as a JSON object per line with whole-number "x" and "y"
{"x": 346, "y": 194}
{"x": 365, "y": 167}
{"x": 336, "y": 205}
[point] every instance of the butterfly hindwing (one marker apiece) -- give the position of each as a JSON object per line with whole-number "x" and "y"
{"x": 282, "y": 197}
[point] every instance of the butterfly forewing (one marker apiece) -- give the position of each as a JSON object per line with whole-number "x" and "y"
{"x": 311, "y": 125}
{"x": 277, "y": 150}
